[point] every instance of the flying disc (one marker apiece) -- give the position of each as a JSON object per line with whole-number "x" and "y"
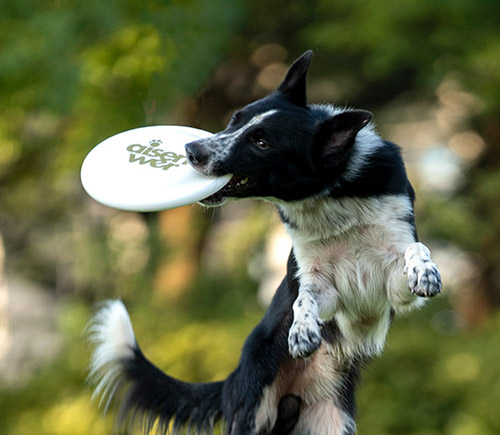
{"x": 146, "y": 169}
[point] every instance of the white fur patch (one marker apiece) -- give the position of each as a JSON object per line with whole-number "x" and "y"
{"x": 324, "y": 418}
{"x": 111, "y": 332}
{"x": 304, "y": 336}
{"x": 323, "y": 217}
{"x": 267, "y": 413}
{"x": 351, "y": 253}
{"x": 424, "y": 278}
{"x": 317, "y": 378}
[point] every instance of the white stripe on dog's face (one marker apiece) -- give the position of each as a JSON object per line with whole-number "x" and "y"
{"x": 256, "y": 120}
{"x": 221, "y": 144}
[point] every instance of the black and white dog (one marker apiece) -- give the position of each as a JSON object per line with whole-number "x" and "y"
{"x": 343, "y": 195}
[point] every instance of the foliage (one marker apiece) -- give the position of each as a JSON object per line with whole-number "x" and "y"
{"x": 433, "y": 378}
{"x": 382, "y": 49}
{"x": 73, "y": 73}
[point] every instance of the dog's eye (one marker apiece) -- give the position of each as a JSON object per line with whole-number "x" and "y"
{"x": 261, "y": 144}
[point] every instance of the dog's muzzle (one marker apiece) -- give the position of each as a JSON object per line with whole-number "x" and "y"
{"x": 197, "y": 154}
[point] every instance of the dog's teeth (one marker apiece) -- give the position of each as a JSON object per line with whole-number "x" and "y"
{"x": 244, "y": 181}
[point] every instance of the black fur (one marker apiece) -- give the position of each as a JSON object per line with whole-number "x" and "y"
{"x": 152, "y": 394}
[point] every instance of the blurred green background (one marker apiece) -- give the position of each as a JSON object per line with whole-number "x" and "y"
{"x": 73, "y": 73}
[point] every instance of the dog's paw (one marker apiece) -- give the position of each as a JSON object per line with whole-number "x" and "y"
{"x": 423, "y": 275}
{"x": 304, "y": 337}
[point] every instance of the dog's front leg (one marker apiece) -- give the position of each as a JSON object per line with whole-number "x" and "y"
{"x": 304, "y": 336}
{"x": 422, "y": 279}
{"x": 423, "y": 275}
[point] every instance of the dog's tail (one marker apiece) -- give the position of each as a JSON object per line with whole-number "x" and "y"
{"x": 146, "y": 397}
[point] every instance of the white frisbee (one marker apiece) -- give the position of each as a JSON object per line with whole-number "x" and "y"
{"x": 146, "y": 169}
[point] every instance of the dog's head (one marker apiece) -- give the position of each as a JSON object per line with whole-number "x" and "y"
{"x": 279, "y": 147}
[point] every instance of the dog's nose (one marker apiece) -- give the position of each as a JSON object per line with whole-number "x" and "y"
{"x": 196, "y": 153}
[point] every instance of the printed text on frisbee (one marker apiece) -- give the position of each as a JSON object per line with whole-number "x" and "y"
{"x": 154, "y": 156}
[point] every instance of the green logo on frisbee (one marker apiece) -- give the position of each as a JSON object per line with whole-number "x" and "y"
{"x": 154, "y": 156}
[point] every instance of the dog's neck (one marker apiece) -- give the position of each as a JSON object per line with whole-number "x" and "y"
{"x": 324, "y": 217}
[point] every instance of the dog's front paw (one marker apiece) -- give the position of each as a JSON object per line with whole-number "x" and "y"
{"x": 424, "y": 278}
{"x": 304, "y": 337}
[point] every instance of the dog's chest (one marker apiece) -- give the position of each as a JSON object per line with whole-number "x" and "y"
{"x": 353, "y": 268}
{"x": 348, "y": 249}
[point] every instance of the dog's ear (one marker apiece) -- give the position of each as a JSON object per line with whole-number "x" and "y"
{"x": 293, "y": 86}
{"x": 338, "y": 133}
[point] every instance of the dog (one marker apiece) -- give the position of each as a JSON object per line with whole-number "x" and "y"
{"x": 344, "y": 197}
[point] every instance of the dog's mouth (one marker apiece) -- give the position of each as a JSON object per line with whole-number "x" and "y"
{"x": 236, "y": 187}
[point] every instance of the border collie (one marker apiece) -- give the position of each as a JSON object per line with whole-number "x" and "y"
{"x": 344, "y": 198}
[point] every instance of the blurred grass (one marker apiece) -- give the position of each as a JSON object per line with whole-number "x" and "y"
{"x": 432, "y": 378}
